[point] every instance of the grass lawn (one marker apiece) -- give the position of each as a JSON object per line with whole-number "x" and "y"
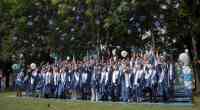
{"x": 8, "y": 101}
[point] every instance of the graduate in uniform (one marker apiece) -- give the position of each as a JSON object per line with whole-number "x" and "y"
{"x": 125, "y": 84}
{"x": 115, "y": 83}
{"x": 132, "y": 85}
{"x": 149, "y": 72}
{"x": 147, "y": 75}
{"x": 48, "y": 82}
{"x": 109, "y": 83}
{"x": 34, "y": 80}
{"x": 89, "y": 76}
{"x": 75, "y": 83}
{"x": 104, "y": 83}
{"x": 56, "y": 80}
{"x": 154, "y": 84}
{"x": 138, "y": 82}
{"x": 61, "y": 84}
{"x": 95, "y": 83}
{"x": 171, "y": 78}
{"x": 26, "y": 84}
{"x": 163, "y": 81}
{"x": 43, "y": 73}
{"x": 39, "y": 83}
{"x": 156, "y": 69}
{"x": 68, "y": 85}
{"x": 84, "y": 82}
{"x": 19, "y": 83}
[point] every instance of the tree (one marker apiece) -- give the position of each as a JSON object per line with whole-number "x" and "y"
{"x": 39, "y": 27}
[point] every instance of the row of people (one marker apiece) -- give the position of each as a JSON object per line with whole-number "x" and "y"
{"x": 117, "y": 80}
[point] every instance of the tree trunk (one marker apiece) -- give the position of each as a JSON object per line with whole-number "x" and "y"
{"x": 196, "y": 67}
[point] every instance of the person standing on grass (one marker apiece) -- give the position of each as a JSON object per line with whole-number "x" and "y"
{"x": 132, "y": 87}
{"x": 61, "y": 84}
{"x": 84, "y": 81}
{"x": 125, "y": 84}
{"x": 103, "y": 82}
{"x": 89, "y": 71}
{"x": 43, "y": 73}
{"x": 163, "y": 81}
{"x": 75, "y": 83}
{"x": 19, "y": 83}
{"x": 56, "y": 79}
{"x": 39, "y": 83}
{"x": 69, "y": 82}
{"x": 154, "y": 83}
{"x": 27, "y": 83}
{"x": 109, "y": 82}
{"x": 103, "y": 71}
{"x": 97, "y": 82}
{"x": 171, "y": 77}
{"x": 48, "y": 82}
{"x": 115, "y": 83}
{"x": 33, "y": 80}
{"x": 138, "y": 82}
{"x": 147, "y": 80}
{"x": 94, "y": 84}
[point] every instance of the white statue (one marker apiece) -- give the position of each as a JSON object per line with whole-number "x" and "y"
{"x": 186, "y": 72}
{"x": 184, "y": 57}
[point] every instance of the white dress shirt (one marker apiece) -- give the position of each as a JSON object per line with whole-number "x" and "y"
{"x": 115, "y": 76}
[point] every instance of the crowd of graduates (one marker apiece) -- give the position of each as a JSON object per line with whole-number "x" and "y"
{"x": 127, "y": 79}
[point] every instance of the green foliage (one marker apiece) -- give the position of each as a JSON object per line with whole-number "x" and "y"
{"x": 76, "y": 25}
{"x": 54, "y": 2}
{"x": 184, "y": 10}
{"x": 7, "y": 48}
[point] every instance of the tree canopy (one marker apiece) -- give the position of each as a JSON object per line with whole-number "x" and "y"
{"x": 36, "y": 27}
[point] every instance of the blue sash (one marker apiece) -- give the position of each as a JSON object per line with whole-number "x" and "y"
{"x": 187, "y": 77}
